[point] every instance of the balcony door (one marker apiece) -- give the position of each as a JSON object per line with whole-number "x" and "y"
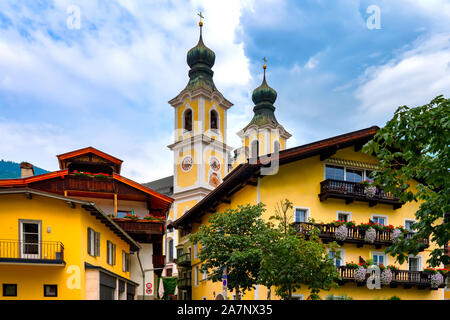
{"x": 30, "y": 239}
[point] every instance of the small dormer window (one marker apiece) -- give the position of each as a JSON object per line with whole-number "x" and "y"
{"x": 214, "y": 120}
{"x": 188, "y": 120}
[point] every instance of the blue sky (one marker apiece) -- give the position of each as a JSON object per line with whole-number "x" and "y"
{"x": 107, "y": 83}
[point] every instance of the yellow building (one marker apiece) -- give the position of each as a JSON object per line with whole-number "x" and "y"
{"x": 200, "y": 150}
{"x": 56, "y": 247}
{"x": 322, "y": 179}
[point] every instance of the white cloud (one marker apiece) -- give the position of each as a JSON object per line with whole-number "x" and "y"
{"x": 127, "y": 55}
{"x": 414, "y": 78}
{"x": 311, "y": 63}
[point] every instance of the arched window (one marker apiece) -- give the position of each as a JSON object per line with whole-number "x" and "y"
{"x": 188, "y": 120}
{"x": 276, "y": 146}
{"x": 254, "y": 150}
{"x": 170, "y": 250}
{"x": 214, "y": 120}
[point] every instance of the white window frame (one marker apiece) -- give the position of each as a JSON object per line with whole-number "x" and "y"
{"x": 22, "y": 239}
{"x": 204, "y": 275}
{"x": 124, "y": 261}
{"x": 380, "y": 253}
{"x": 110, "y": 250}
{"x": 307, "y": 213}
{"x": 196, "y": 275}
{"x": 345, "y": 170}
{"x": 342, "y": 251}
{"x": 92, "y": 245}
{"x": 344, "y": 212}
{"x": 386, "y": 223}
{"x": 195, "y": 250}
{"x": 409, "y": 220}
{"x": 420, "y": 261}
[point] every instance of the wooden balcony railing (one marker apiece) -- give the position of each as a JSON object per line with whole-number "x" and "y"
{"x": 404, "y": 278}
{"x": 354, "y": 235}
{"x": 184, "y": 260}
{"x": 44, "y": 252}
{"x": 184, "y": 282}
{"x": 355, "y": 191}
{"x": 140, "y": 226}
{"x": 91, "y": 184}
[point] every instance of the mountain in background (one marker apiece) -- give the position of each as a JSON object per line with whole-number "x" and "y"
{"x": 11, "y": 170}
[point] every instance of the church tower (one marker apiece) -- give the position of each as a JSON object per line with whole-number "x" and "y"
{"x": 200, "y": 152}
{"x": 263, "y": 135}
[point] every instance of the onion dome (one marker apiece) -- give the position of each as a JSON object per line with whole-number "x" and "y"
{"x": 201, "y": 59}
{"x": 201, "y": 54}
{"x": 264, "y": 93}
{"x": 264, "y": 97}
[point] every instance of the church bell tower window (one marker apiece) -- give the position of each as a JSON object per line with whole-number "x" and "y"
{"x": 214, "y": 120}
{"x": 188, "y": 120}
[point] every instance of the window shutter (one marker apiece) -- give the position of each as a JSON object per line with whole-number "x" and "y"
{"x": 108, "y": 252}
{"x": 114, "y": 254}
{"x": 89, "y": 239}
{"x": 97, "y": 244}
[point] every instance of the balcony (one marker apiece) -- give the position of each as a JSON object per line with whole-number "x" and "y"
{"x": 184, "y": 282}
{"x": 355, "y": 235}
{"x": 38, "y": 253}
{"x": 184, "y": 260}
{"x": 158, "y": 261}
{"x": 355, "y": 191}
{"x": 135, "y": 227}
{"x": 92, "y": 184}
{"x": 407, "y": 279}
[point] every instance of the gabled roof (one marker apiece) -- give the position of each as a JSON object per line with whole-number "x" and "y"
{"x": 72, "y": 154}
{"x": 24, "y": 182}
{"x": 86, "y": 205}
{"x": 244, "y": 173}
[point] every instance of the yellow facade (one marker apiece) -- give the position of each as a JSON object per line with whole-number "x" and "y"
{"x": 299, "y": 182}
{"x": 59, "y": 222}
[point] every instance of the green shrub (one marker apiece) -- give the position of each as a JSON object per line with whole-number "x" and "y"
{"x": 169, "y": 287}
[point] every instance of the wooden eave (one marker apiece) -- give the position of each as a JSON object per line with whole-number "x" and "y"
{"x": 75, "y": 153}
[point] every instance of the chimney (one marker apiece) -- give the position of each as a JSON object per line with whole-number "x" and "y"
{"x": 26, "y": 170}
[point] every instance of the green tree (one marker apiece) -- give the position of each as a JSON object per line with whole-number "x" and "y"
{"x": 290, "y": 260}
{"x": 414, "y": 144}
{"x": 232, "y": 239}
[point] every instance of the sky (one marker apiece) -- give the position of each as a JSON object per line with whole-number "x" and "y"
{"x": 97, "y": 73}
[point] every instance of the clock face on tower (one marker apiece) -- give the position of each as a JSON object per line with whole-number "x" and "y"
{"x": 186, "y": 163}
{"x": 214, "y": 164}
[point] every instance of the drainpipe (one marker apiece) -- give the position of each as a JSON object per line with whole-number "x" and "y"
{"x": 143, "y": 276}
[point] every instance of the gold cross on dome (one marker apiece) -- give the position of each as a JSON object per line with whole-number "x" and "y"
{"x": 265, "y": 60}
{"x": 201, "y": 17}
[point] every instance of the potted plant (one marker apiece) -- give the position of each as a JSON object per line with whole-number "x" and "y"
{"x": 341, "y": 233}
{"x": 396, "y": 235}
{"x": 351, "y": 265}
{"x": 430, "y": 270}
{"x": 370, "y": 190}
{"x": 443, "y": 271}
{"x": 370, "y": 235}
{"x": 350, "y": 224}
{"x": 386, "y": 276}
{"x": 360, "y": 274}
{"x": 131, "y": 215}
{"x": 436, "y": 280}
